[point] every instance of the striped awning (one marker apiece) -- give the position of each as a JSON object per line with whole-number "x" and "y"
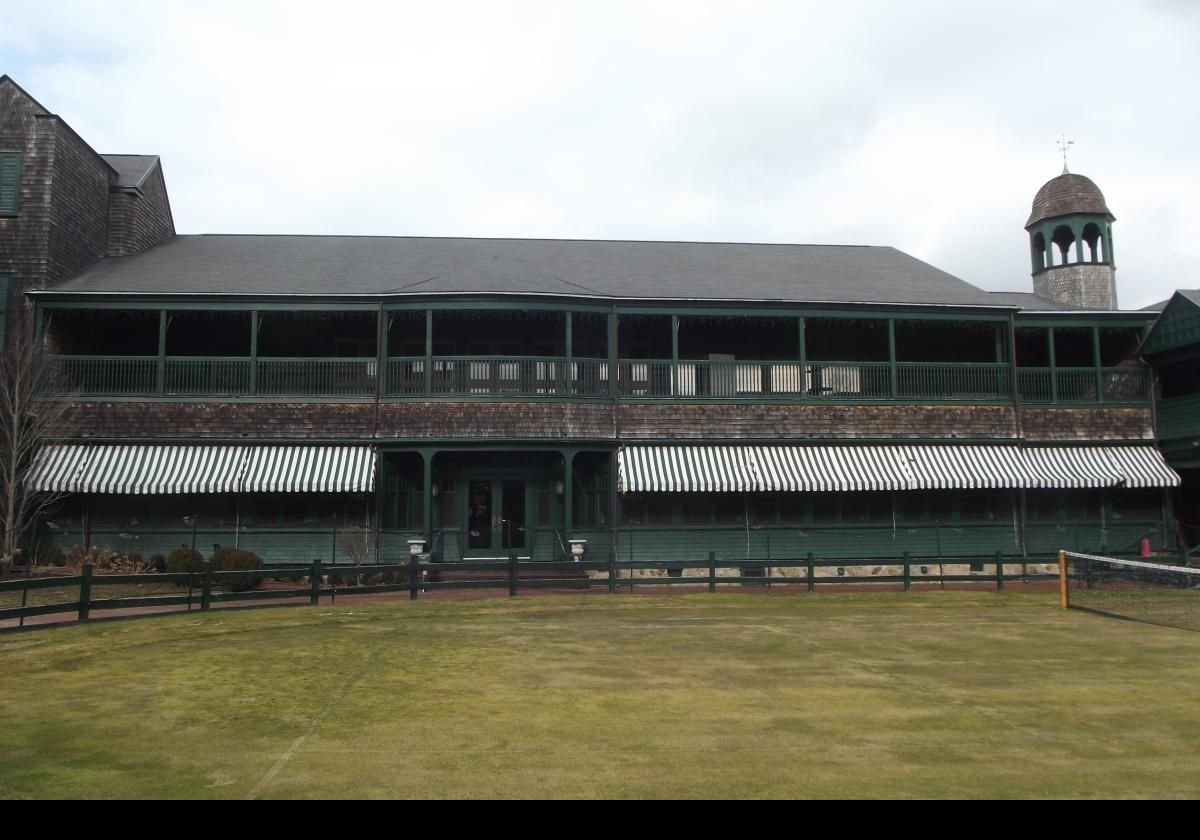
{"x": 686, "y": 469}
{"x": 140, "y": 470}
{"x": 1099, "y": 466}
{"x": 968, "y": 467}
{"x": 59, "y": 469}
{"x": 309, "y": 469}
{"x": 643, "y": 469}
{"x": 815, "y": 469}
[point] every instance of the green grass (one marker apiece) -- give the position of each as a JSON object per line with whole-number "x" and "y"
{"x": 939, "y": 694}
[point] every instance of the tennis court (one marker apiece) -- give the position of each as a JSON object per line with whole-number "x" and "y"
{"x": 866, "y": 694}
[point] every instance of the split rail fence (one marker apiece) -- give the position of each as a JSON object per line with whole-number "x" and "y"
{"x": 89, "y": 595}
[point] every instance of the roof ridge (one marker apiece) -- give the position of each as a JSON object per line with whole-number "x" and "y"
{"x": 538, "y": 239}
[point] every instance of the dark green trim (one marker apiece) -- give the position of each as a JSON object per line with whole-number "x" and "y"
{"x": 214, "y": 305}
{"x": 1030, "y": 320}
{"x": 368, "y": 303}
{"x": 480, "y": 303}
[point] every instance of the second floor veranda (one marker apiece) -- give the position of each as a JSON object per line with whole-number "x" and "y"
{"x": 462, "y": 352}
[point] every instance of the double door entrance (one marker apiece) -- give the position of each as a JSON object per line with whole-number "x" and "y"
{"x": 496, "y": 516}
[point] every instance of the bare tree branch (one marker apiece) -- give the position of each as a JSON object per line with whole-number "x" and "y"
{"x": 32, "y": 414}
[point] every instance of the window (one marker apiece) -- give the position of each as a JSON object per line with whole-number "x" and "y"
{"x": 10, "y": 183}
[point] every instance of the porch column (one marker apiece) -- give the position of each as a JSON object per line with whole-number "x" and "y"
{"x": 568, "y": 375}
{"x": 1096, "y": 360}
{"x": 568, "y": 456}
{"x": 895, "y": 381}
{"x": 427, "y": 497}
{"x": 804, "y": 378}
{"x": 613, "y": 373}
{"x": 382, "y": 379}
{"x": 253, "y": 383}
{"x": 613, "y": 506}
{"x": 162, "y": 352}
{"x": 1053, "y": 372}
{"x": 428, "y": 352}
{"x": 675, "y": 356}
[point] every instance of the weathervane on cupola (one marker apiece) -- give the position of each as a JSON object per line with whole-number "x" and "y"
{"x": 1070, "y": 240}
{"x": 1064, "y": 146}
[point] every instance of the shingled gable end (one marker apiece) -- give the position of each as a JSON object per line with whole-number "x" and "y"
{"x": 496, "y": 397}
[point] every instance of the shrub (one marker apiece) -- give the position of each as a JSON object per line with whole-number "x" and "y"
{"x": 183, "y": 560}
{"x": 237, "y": 560}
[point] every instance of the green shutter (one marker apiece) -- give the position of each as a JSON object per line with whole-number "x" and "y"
{"x": 10, "y": 183}
{"x": 5, "y": 291}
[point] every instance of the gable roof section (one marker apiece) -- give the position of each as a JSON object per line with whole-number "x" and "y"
{"x": 343, "y": 265}
{"x": 1177, "y": 327}
{"x": 132, "y": 170}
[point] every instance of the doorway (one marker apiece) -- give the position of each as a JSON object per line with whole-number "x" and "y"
{"x": 496, "y": 516}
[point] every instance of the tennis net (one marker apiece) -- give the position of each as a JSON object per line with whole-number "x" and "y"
{"x": 1151, "y": 592}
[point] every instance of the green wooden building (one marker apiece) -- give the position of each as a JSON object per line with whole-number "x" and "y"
{"x": 314, "y": 397}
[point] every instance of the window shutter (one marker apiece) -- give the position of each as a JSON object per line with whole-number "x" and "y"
{"x": 10, "y": 183}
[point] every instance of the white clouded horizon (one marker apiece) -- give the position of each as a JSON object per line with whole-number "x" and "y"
{"x": 926, "y": 125}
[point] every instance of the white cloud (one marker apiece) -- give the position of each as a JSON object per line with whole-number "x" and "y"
{"x": 926, "y": 125}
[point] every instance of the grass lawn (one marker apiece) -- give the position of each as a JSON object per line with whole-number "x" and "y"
{"x": 932, "y": 694}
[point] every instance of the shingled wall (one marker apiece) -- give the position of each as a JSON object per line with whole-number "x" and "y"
{"x": 78, "y": 206}
{"x": 139, "y": 220}
{"x": 23, "y": 237}
{"x": 550, "y": 421}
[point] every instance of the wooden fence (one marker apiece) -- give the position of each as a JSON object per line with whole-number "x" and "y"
{"x": 87, "y": 595}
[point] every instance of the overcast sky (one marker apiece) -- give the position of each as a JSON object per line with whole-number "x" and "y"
{"x": 924, "y": 125}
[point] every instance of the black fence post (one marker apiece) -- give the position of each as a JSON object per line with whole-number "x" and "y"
{"x": 414, "y": 576}
{"x": 712, "y": 571}
{"x": 314, "y": 583}
{"x": 85, "y": 591}
{"x": 999, "y": 571}
{"x": 907, "y": 572}
{"x": 612, "y": 570}
{"x": 512, "y": 575}
{"x": 206, "y": 585}
{"x": 812, "y": 572}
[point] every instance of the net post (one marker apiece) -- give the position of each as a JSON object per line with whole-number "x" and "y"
{"x": 1063, "y": 596}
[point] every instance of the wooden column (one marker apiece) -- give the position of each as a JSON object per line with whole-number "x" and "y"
{"x": 569, "y": 374}
{"x": 253, "y": 351}
{"x": 675, "y": 356}
{"x": 428, "y": 352}
{"x": 568, "y": 456}
{"x": 1053, "y": 366}
{"x": 895, "y": 379}
{"x": 613, "y": 373}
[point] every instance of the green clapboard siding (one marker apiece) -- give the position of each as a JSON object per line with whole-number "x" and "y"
{"x": 10, "y": 183}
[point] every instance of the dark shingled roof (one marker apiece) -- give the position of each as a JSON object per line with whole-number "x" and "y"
{"x": 131, "y": 169}
{"x": 1066, "y": 194}
{"x": 1031, "y": 302}
{"x": 347, "y": 265}
{"x": 1191, "y": 294}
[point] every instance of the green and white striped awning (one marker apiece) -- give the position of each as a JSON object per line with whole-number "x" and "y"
{"x": 310, "y": 469}
{"x": 1100, "y": 466}
{"x": 203, "y": 469}
{"x": 817, "y": 469}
